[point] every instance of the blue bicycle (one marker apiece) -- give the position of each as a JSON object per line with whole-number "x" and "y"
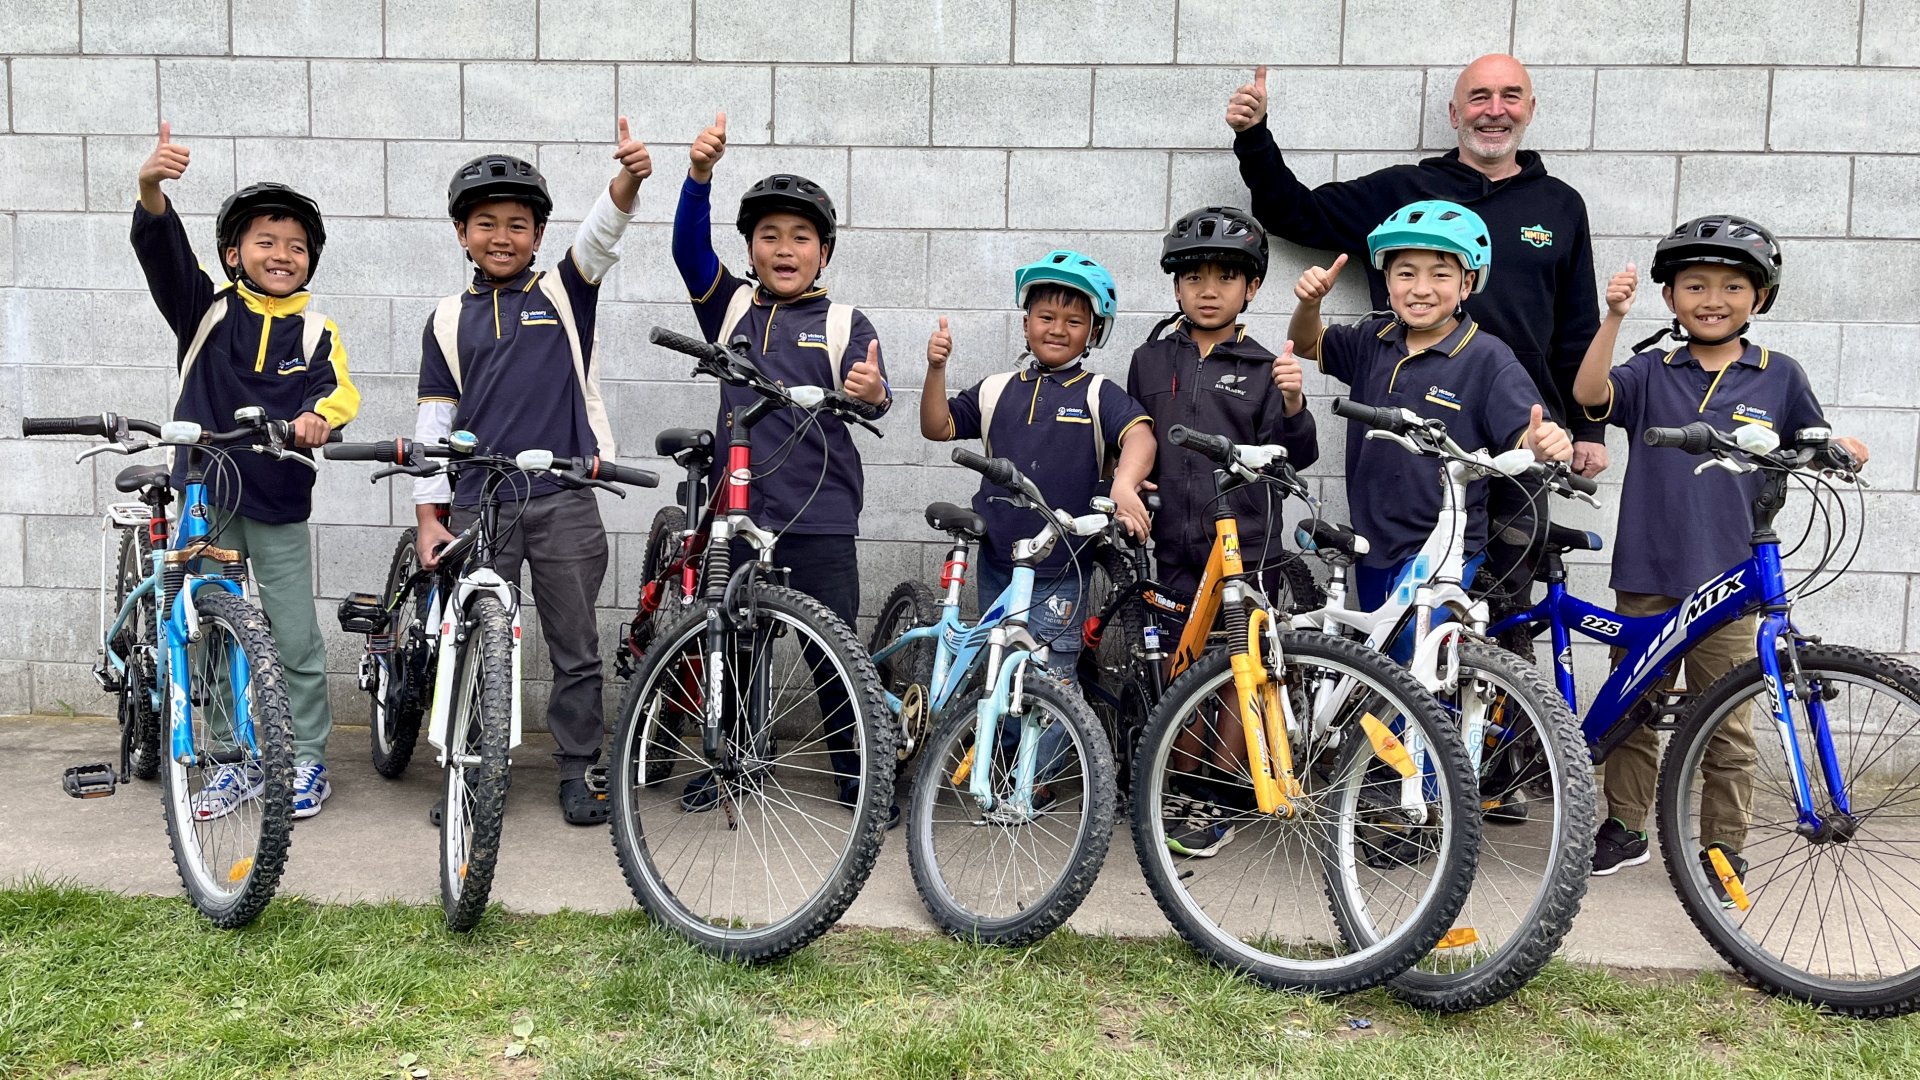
{"x": 191, "y": 660}
{"x": 1007, "y": 826}
{"x": 1801, "y": 868}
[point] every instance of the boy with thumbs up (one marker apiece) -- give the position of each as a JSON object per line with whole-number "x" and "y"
{"x": 512, "y": 358}
{"x": 1430, "y": 357}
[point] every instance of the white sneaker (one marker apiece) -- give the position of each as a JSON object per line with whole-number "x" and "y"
{"x": 310, "y": 789}
{"x": 232, "y": 785}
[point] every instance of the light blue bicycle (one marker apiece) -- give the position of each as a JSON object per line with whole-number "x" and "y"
{"x": 1013, "y": 796}
{"x": 191, "y": 660}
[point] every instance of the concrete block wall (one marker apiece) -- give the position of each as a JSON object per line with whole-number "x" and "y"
{"x": 959, "y": 138}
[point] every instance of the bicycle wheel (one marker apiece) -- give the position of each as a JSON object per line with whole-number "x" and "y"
{"x": 139, "y": 720}
{"x": 1353, "y": 888}
{"x": 1297, "y": 589}
{"x": 760, "y": 850}
{"x": 230, "y": 811}
{"x": 1536, "y": 852}
{"x": 663, "y": 546}
{"x": 1118, "y": 687}
{"x": 478, "y": 728}
{"x": 911, "y": 605}
{"x": 1010, "y": 875}
{"x": 1826, "y": 920}
{"x": 399, "y": 688}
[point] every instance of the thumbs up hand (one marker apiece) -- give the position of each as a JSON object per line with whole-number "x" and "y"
{"x": 167, "y": 162}
{"x": 1290, "y": 380}
{"x": 1548, "y": 440}
{"x": 1315, "y": 283}
{"x": 1620, "y": 290}
{"x": 864, "y": 380}
{"x": 1248, "y": 105}
{"x": 707, "y": 150}
{"x": 939, "y": 346}
{"x": 632, "y": 154}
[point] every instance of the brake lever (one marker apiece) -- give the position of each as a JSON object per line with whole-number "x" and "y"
{"x": 408, "y": 470}
{"x": 1737, "y": 468}
{"x": 1403, "y": 441}
{"x": 111, "y": 448}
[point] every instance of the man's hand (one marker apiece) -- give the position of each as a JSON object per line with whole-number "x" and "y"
{"x": 940, "y": 346}
{"x": 863, "y": 379}
{"x": 1620, "y": 290}
{"x": 310, "y": 429}
{"x": 429, "y": 538}
{"x": 1589, "y": 458}
{"x": 1290, "y": 380}
{"x": 1248, "y": 105}
{"x": 167, "y": 162}
{"x": 1131, "y": 511}
{"x": 707, "y": 150}
{"x": 1315, "y": 284}
{"x": 1546, "y": 439}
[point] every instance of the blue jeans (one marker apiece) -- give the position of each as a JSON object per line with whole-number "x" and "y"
{"x": 1373, "y": 584}
{"x": 1053, "y": 618}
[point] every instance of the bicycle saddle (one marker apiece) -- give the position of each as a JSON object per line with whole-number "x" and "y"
{"x": 1565, "y": 539}
{"x": 137, "y": 477}
{"x": 958, "y": 520}
{"x": 672, "y": 441}
{"x": 1314, "y": 535}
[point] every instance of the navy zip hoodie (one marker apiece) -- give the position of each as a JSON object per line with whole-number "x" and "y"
{"x": 1541, "y": 300}
{"x": 1229, "y": 392}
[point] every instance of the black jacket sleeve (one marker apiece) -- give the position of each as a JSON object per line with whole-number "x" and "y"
{"x": 180, "y": 288}
{"x": 1332, "y": 217}
{"x": 1576, "y": 319}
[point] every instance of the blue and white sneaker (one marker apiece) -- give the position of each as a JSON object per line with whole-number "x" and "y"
{"x": 310, "y": 788}
{"x": 232, "y": 785}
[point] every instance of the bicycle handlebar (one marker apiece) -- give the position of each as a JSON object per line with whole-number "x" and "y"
{"x": 1386, "y": 419}
{"x": 1695, "y": 438}
{"x": 389, "y": 452}
{"x": 71, "y": 425}
{"x": 1217, "y": 447}
{"x": 681, "y": 343}
{"x": 734, "y": 368}
{"x": 996, "y": 470}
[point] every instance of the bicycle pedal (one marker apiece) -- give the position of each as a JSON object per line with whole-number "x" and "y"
{"x": 596, "y": 781}
{"x": 108, "y": 678}
{"x": 95, "y": 781}
{"x": 363, "y": 613}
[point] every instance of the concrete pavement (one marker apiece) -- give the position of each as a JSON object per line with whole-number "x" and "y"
{"x": 374, "y": 842}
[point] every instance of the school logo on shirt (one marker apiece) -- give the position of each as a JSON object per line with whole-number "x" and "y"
{"x": 1440, "y": 395}
{"x": 292, "y": 365}
{"x": 1752, "y": 414}
{"x": 537, "y": 317}
{"x": 1230, "y": 384}
{"x": 1537, "y": 235}
{"x": 811, "y": 341}
{"x": 1072, "y": 414}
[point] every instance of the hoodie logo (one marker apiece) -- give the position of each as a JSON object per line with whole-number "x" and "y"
{"x": 1537, "y": 235}
{"x": 292, "y": 365}
{"x": 1230, "y": 384}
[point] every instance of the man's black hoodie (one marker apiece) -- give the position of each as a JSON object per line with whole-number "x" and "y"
{"x": 1541, "y": 299}
{"x": 1228, "y": 392}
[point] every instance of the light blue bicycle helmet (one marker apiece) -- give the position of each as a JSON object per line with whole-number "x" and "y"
{"x": 1435, "y": 225}
{"x": 1076, "y": 272}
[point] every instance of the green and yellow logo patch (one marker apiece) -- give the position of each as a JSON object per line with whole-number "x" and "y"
{"x": 1537, "y": 235}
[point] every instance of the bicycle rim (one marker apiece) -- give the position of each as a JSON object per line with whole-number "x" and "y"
{"x": 1827, "y": 921}
{"x": 1350, "y": 890}
{"x": 756, "y": 857}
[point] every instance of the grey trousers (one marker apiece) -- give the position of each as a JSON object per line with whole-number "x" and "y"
{"x": 561, "y": 537}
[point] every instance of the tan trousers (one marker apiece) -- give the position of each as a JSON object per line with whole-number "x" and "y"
{"x": 1631, "y": 773}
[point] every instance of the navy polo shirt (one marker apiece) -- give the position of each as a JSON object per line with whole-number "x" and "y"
{"x": 1042, "y": 425}
{"x": 1470, "y": 380}
{"x": 1678, "y": 530}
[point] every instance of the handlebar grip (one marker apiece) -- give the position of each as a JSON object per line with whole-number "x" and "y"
{"x": 1585, "y": 485}
{"x": 997, "y": 470}
{"x": 66, "y": 425}
{"x": 1385, "y": 419}
{"x": 602, "y": 469}
{"x": 1217, "y": 447}
{"x": 692, "y": 346}
{"x": 1695, "y": 438}
{"x": 390, "y": 452}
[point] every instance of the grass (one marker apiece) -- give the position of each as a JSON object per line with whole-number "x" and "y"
{"x": 99, "y": 985}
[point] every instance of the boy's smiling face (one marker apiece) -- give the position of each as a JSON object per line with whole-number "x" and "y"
{"x": 1710, "y": 300}
{"x": 1057, "y": 329}
{"x": 1425, "y": 287}
{"x": 272, "y": 254}
{"x": 500, "y": 237}
{"x": 786, "y": 254}
{"x": 1212, "y": 295}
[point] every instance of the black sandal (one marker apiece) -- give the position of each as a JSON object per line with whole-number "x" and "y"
{"x": 581, "y": 804}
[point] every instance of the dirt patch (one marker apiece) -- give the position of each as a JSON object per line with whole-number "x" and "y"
{"x": 1119, "y": 1026}
{"x": 804, "y": 1032}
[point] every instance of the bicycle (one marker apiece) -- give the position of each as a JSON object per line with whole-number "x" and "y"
{"x": 448, "y": 640}
{"x": 1822, "y": 855}
{"x": 769, "y": 704}
{"x": 1013, "y": 803}
{"x": 1535, "y": 781}
{"x": 1340, "y": 781}
{"x": 191, "y": 660}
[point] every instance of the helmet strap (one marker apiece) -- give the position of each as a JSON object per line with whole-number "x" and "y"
{"x": 1679, "y": 334}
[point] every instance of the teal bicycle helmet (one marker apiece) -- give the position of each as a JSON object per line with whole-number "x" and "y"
{"x": 1435, "y": 225}
{"x": 1076, "y": 272}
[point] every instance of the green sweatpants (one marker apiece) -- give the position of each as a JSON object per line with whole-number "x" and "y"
{"x": 281, "y": 558}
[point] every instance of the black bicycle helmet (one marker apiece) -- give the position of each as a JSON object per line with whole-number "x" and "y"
{"x": 498, "y": 176}
{"x": 1727, "y": 240}
{"x": 278, "y": 200}
{"x": 793, "y": 194}
{"x": 1222, "y": 234}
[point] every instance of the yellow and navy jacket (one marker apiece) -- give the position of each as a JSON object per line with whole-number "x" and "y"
{"x": 255, "y": 355}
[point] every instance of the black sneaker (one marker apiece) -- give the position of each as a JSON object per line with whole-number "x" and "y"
{"x": 1508, "y": 809}
{"x": 700, "y": 795}
{"x": 1734, "y": 861}
{"x": 1616, "y": 846}
{"x": 1196, "y": 829}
